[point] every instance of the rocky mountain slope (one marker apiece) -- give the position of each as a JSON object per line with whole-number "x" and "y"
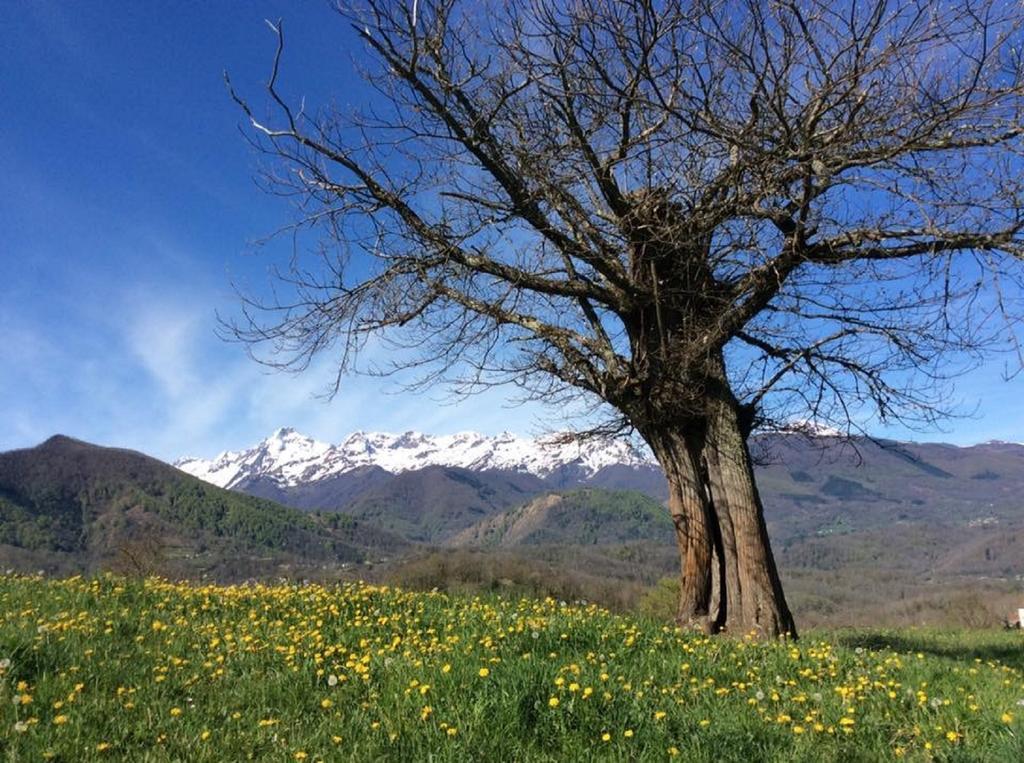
{"x": 587, "y": 516}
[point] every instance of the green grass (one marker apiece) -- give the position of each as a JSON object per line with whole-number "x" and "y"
{"x": 153, "y": 671}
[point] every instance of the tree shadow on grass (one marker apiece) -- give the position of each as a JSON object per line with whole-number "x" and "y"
{"x": 1007, "y": 648}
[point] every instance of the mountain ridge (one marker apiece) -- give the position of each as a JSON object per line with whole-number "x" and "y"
{"x": 288, "y": 458}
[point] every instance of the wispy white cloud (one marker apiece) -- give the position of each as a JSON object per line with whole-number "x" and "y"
{"x": 162, "y": 382}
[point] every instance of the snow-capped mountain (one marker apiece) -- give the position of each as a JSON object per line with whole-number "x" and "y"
{"x": 289, "y": 458}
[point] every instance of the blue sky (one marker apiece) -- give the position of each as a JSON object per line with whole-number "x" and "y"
{"x": 128, "y": 209}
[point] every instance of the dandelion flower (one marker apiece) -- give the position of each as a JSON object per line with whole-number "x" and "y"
{"x": 484, "y": 672}
{"x": 553, "y": 702}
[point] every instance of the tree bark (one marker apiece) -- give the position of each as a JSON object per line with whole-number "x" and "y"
{"x": 696, "y": 531}
{"x": 756, "y": 603}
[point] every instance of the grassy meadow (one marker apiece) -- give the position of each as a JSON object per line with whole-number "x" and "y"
{"x": 117, "y": 669}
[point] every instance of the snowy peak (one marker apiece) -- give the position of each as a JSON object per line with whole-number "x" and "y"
{"x": 289, "y": 458}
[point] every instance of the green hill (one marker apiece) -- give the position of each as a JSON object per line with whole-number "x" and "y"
{"x": 68, "y": 503}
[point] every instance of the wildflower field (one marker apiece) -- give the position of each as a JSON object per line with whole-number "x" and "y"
{"x": 114, "y": 669}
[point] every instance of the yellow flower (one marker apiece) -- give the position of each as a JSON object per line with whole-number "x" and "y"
{"x": 205, "y": 735}
{"x": 798, "y": 729}
{"x": 659, "y": 715}
{"x": 673, "y": 751}
{"x": 102, "y": 746}
{"x": 60, "y": 720}
{"x": 326, "y": 704}
{"x": 553, "y": 702}
{"x": 705, "y": 723}
{"x": 606, "y": 737}
{"x": 175, "y": 712}
{"x": 628, "y": 733}
{"x": 846, "y": 721}
{"x": 451, "y": 731}
{"x": 484, "y": 672}
{"x": 1007, "y": 718}
{"x": 300, "y": 755}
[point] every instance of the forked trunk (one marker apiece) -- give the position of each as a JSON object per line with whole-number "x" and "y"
{"x": 728, "y": 577}
{"x": 755, "y": 600}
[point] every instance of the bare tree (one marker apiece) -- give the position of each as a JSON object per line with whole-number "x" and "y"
{"x": 709, "y": 216}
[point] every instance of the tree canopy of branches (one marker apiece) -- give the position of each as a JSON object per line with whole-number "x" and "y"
{"x": 708, "y": 215}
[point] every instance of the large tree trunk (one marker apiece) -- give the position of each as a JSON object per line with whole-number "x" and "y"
{"x": 755, "y": 603}
{"x": 728, "y": 577}
{"x": 695, "y": 528}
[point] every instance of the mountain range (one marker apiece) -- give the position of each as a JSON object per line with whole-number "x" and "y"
{"x": 921, "y": 511}
{"x": 289, "y": 459}
{"x": 847, "y": 519}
